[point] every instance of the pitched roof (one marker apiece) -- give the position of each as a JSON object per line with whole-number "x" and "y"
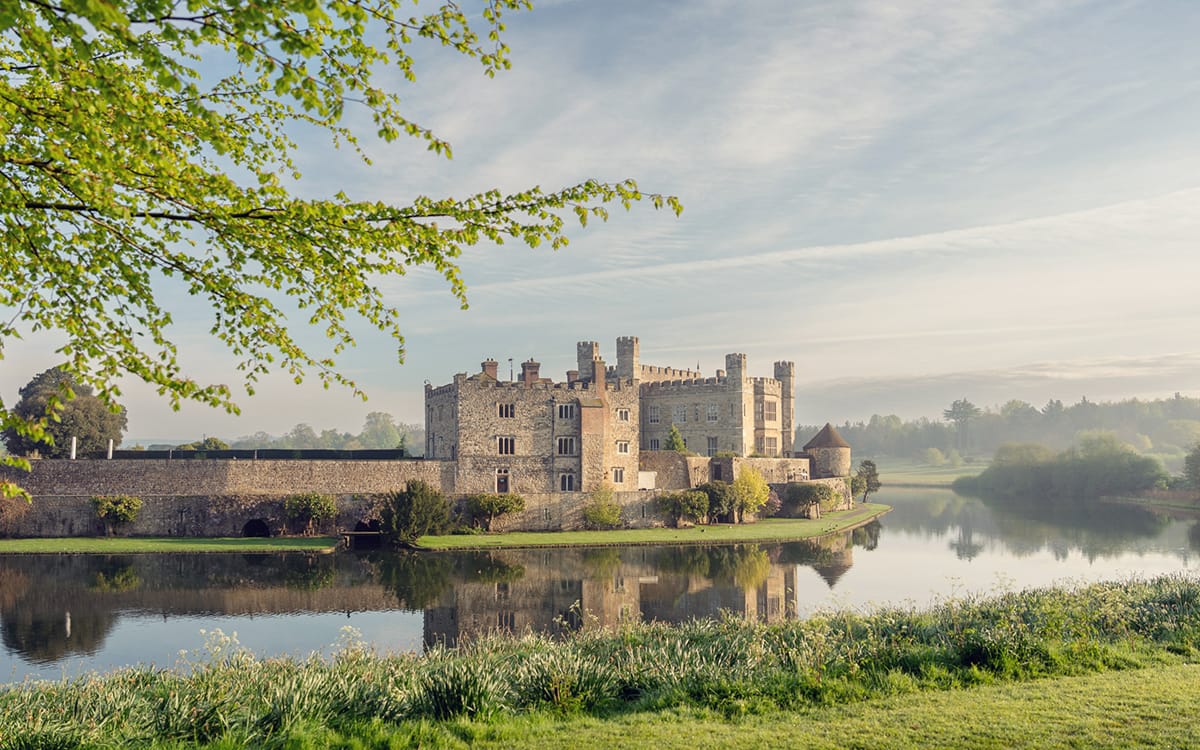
{"x": 827, "y": 438}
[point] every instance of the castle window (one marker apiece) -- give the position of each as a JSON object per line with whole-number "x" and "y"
{"x": 501, "y": 480}
{"x": 545, "y": 514}
{"x": 758, "y": 444}
{"x": 506, "y": 446}
{"x": 622, "y": 415}
{"x": 506, "y": 411}
{"x": 652, "y": 414}
{"x": 681, "y": 414}
{"x": 506, "y": 620}
{"x": 713, "y": 412}
{"x": 758, "y": 411}
{"x": 618, "y": 475}
{"x": 712, "y": 446}
{"x": 566, "y": 483}
{"x": 566, "y": 411}
{"x": 622, "y": 446}
{"x": 566, "y": 446}
{"x": 772, "y": 446}
{"x": 653, "y": 445}
{"x": 770, "y": 411}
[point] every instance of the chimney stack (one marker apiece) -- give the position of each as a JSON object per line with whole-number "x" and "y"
{"x": 529, "y": 372}
{"x": 489, "y": 368}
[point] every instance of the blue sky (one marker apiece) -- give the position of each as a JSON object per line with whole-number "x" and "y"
{"x": 914, "y": 201}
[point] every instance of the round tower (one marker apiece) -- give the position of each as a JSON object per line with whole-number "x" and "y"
{"x": 830, "y": 454}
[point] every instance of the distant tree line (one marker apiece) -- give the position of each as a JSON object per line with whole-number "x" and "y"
{"x": 380, "y": 431}
{"x": 1165, "y": 428}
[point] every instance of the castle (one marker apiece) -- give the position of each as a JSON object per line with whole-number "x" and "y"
{"x": 552, "y": 442}
{"x": 605, "y": 425}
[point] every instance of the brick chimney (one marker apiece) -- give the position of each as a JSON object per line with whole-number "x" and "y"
{"x": 598, "y": 374}
{"x": 529, "y": 372}
{"x": 489, "y": 368}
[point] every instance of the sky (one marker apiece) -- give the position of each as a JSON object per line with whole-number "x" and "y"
{"x": 914, "y": 201}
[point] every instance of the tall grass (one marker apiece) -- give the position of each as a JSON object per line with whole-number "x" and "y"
{"x": 225, "y": 694}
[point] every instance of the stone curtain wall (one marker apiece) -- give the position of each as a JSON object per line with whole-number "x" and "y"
{"x": 213, "y": 477}
{"x": 211, "y": 497}
{"x": 675, "y": 471}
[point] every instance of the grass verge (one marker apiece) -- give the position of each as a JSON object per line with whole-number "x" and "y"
{"x": 1146, "y": 708}
{"x": 901, "y": 473}
{"x": 1109, "y": 664}
{"x": 123, "y": 545}
{"x": 773, "y": 529}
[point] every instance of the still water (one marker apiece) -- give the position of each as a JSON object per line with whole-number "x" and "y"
{"x": 69, "y": 614}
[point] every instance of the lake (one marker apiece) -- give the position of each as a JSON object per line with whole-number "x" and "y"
{"x": 68, "y": 614}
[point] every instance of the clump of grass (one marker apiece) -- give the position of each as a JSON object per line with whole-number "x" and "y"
{"x": 225, "y": 695}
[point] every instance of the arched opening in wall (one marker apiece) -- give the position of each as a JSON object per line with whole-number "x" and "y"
{"x": 367, "y": 535}
{"x": 256, "y": 527}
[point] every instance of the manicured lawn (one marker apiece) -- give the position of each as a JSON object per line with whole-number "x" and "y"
{"x": 115, "y": 545}
{"x": 1151, "y": 708}
{"x": 901, "y": 473}
{"x": 767, "y": 529}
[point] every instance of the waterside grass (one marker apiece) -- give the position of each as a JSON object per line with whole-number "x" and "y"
{"x": 959, "y": 673}
{"x": 897, "y": 472}
{"x": 125, "y": 545}
{"x": 768, "y": 529}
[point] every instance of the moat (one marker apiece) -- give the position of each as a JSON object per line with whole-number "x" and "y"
{"x": 73, "y": 613}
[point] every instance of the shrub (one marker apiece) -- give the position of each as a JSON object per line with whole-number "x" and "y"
{"x": 490, "y": 505}
{"x": 417, "y": 510}
{"x": 116, "y": 510}
{"x": 750, "y": 492}
{"x": 799, "y": 497}
{"x": 602, "y": 511}
{"x": 773, "y": 506}
{"x": 689, "y": 505}
{"x": 309, "y": 509}
{"x": 721, "y": 500}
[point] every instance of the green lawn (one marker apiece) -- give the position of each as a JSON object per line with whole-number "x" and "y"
{"x": 122, "y": 545}
{"x": 774, "y": 529}
{"x": 1150, "y": 708}
{"x": 897, "y": 472}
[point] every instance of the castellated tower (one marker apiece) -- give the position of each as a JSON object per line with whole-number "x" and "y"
{"x": 785, "y": 373}
{"x": 628, "y": 366}
{"x": 735, "y": 367}
{"x": 586, "y": 353}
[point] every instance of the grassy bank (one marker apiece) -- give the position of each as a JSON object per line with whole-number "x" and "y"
{"x": 904, "y": 473}
{"x": 769, "y": 529}
{"x": 896, "y": 678}
{"x": 124, "y": 545}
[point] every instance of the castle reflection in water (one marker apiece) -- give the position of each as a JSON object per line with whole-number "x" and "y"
{"x": 560, "y": 591}
{"x": 55, "y": 607}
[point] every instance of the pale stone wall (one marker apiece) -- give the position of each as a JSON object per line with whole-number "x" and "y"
{"x": 203, "y": 497}
{"x": 535, "y": 428}
{"x": 830, "y": 462}
{"x": 700, "y": 409}
{"x": 774, "y": 470}
{"x": 560, "y": 511}
{"x": 767, "y": 415}
{"x": 212, "y": 477}
{"x": 675, "y": 471}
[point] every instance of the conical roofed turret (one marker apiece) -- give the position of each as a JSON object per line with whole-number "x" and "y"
{"x": 828, "y": 437}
